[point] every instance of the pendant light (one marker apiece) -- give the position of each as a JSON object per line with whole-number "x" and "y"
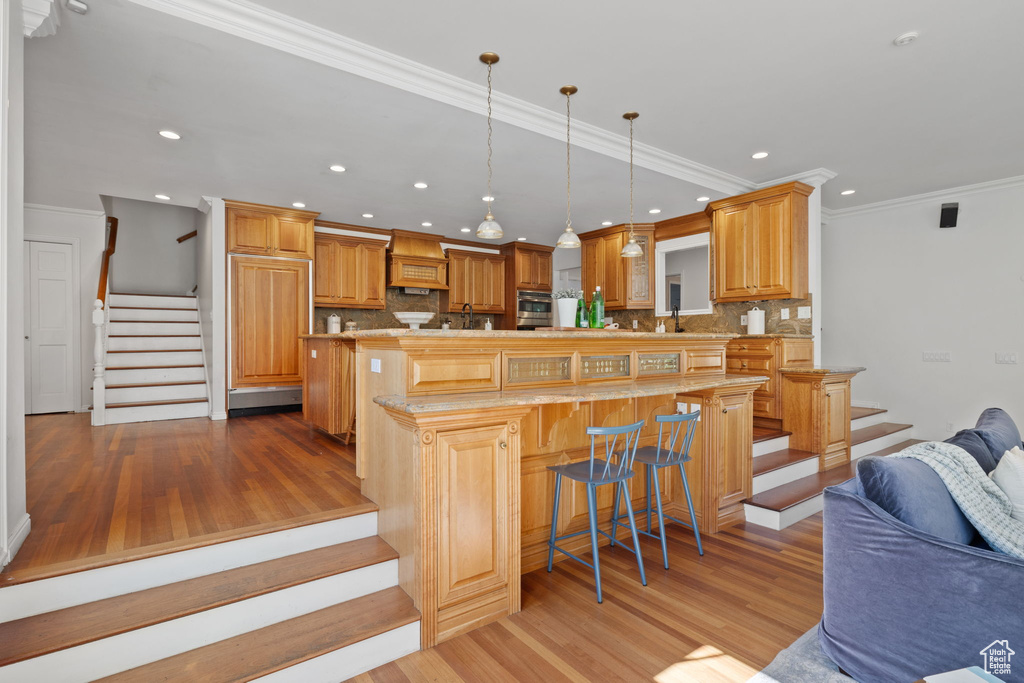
{"x": 568, "y": 239}
{"x": 631, "y": 249}
{"x": 489, "y": 229}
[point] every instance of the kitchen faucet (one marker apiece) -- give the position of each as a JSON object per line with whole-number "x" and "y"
{"x": 675, "y": 316}
{"x": 470, "y": 307}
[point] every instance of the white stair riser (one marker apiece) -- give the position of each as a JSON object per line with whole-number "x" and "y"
{"x": 149, "y": 375}
{"x": 192, "y": 357}
{"x": 68, "y": 590}
{"x": 780, "y": 520}
{"x": 353, "y": 660}
{"x": 869, "y": 447}
{"x": 784, "y": 475}
{"x": 122, "y": 314}
{"x": 171, "y": 392}
{"x": 868, "y": 421}
{"x": 175, "y": 411}
{"x": 771, "y": 445}
{"x": 168, "y": 328}
{"x": 152, "y": 301}
{"x": 142, "y": 646}
{"x": 155, "y": 343}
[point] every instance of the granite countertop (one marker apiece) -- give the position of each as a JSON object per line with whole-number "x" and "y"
{"x": 340, "y": 335}
{"x": 533, "y": 334}
{"x": 538, "y": 396}
{"x": 826, "y": 369}
{"x": 779, "y": 335}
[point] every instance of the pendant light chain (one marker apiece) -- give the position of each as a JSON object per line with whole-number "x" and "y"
{"x": 489, "y": 131}
{"x": 568, "y": 167}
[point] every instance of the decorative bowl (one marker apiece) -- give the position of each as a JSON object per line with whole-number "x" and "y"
{"x": 413, "y": 318}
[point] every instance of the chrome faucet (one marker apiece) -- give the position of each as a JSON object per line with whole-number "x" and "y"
{"x": 675, "y": 317}
{"x": 470, "y": 307}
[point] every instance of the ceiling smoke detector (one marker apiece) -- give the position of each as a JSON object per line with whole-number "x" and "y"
{"x": 905, "y": 38}
{"x": 77, "y": 6}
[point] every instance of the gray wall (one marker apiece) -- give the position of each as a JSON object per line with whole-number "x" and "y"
{"x": 149, "y": 259}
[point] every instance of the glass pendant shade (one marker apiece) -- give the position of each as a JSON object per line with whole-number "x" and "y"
{"x": 631, "y": 249}
{"x": 568, "y": 240}
{"x": 489, "y": 229}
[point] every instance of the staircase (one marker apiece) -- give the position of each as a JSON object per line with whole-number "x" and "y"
{"x": 787, "y": 484}
{"x": 318, "y": 602}
{"x": 154, "y": 359}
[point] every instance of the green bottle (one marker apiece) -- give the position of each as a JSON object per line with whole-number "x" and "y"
{"x": 597, "y": 310}
{"x": 581, "y": 314}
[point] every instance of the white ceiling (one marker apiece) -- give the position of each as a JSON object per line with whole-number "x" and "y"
{"x": 815, "y": 84}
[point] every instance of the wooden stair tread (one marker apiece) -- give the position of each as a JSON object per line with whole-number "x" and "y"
{"x": 149, "y": 308}
{"x": 141, "y": 404}
{"x": 151, "y": 367}
{"x": 769, "y": 462}
{"x": 877, "y": 431}
{"x": 173, "y": 296}
{"x": 856, "y": 413}
{"x": 59, "y": 630}
{"x": 154, "y": 384}
{"x": 131, "y": 336}
{"x": 767, "y": 433}
{"x": 284, "y": 644}
{"x": 897, "y": 448}
{"x": 161, "y": 322}
{"x": 154, "y": 350}
{"x": 788, "y": 495}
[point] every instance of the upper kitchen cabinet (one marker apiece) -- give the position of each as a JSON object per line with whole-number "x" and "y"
{"x": 759, "y": 242}
{"x": 348, "y": 272}
{"x": 269, "y": 230}
{"x": 626, "y": 283}
{"x": 528, "y": 266}
{"x": 477, "y": 279}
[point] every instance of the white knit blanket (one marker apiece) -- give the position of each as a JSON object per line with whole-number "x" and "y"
{"x": 982, "y": 502}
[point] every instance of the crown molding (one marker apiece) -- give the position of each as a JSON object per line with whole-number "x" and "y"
{"x": 817, "y": 178}
{"x": 927, "y": 197}
{"x": 65, "y": 210}
{"x": 40, "y": 18}
{"x": 279, "y": 31}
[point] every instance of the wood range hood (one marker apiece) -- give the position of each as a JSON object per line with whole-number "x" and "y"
{"x": 416, "y": 259}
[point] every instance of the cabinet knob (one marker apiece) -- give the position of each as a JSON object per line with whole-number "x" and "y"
{"x": 744, "y": 365}
{"x": 503, "y": 444}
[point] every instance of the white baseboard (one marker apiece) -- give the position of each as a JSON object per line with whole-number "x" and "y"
{"x": 17, "y": 537}
{"x": 222, "y": 415}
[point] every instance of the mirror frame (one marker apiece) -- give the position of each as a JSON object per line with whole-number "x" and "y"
{"x": 661, "y": 249}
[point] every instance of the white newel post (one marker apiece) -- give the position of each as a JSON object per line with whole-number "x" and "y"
{"x": 99, "y": 384}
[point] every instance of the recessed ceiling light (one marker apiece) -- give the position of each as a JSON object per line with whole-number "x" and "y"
{"x": 521, "y": 239}
{"x": 487, "y": 198}
{"x": 338, "y": 168}
{"x": 466, "y": 230}
{"x": 905, "y": 38}
{"x": 170, "y": 135}
{"x": 367, "y": 215}
{"x": 847, "y": 191}
{"x": 703, "y": 199}
{"x": 163, "y": 197}
{"x": 298, "y": 205}
{"x": 654, "y": 211}
{"x": 420, "y": 186}
{"x": 759, "y": 155}
{"x": 607, "y": 223}
{"x": 426, "y": 224}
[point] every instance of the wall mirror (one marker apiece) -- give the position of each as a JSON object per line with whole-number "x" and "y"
{"x": 682, "y": 275}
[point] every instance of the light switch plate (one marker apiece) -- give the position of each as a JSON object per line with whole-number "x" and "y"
{"x": 313, "y": 352}
{"x": 375, "y": 365}
{"x": 803, "y": 312}
{"x": 1006, "y": 358}
{"x": 785, "y": 314}
{"x": 743, "y": 320}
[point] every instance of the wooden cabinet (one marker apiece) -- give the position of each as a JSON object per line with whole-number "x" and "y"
{"x": 759, "y": 244}
{"x": 348, "y": 272}
{"x": 415, "y": 259}
{"x": 626, "y": 283}
{"x": 269, "y": 310}
{"x": 477, "y": 279}
{"x": 329, "y": 385}
{"x": 765, "y": 356}
{"x": 269, "y": 231}
{"x": 816, "y": 409}
{"x": 529, "y": 266}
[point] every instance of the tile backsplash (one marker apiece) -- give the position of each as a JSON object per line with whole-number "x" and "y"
{"x": 396, "y": 300}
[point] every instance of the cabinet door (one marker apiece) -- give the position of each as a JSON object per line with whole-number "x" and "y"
{"x": 639, "y": 275}
{"x": 614, "y": 286}
{"x": 349, "y": 275}
{"x": 270, "y": 309}
{"x": 525, "y": 269}
{"x": 249, "y": 232}
{"x": 736, "y": 456}
{"x": 591, "y": 262}
{"x": 542, "y": 274}
{"x": 473, "y": 512}
{"x": 458, "y": 281}
{"x": 489, "y": 284}
{"x": 325, "y": 272}
{"x": 734, "y": 248}
{"x": 773, "y": 247}
{"x": 371, "y": 281}
{"x": 292, "y": 237}
{"x": 837, "y": 416}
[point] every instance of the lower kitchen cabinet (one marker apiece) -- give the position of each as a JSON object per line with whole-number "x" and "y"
{"x": 329, "y": 385}
{"x": 816, "y": 409}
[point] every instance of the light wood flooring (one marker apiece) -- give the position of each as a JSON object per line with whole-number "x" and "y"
{"x": 100, "y": 495}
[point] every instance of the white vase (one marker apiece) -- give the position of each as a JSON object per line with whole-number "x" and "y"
{"x": 566, "y": 312}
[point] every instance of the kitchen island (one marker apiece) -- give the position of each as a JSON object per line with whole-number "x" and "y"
{"x": 457, "y": 429}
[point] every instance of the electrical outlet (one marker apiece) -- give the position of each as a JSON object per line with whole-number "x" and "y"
{"x": 313, "y": 351}
{"x": 375, "y": 365}
{"x": 803, "y": 312}
{"x": 936, "y": 356}
{"x": 1006, "y": 358}
{"x": 785, "y": 314}
{"x": 743, "y": 320}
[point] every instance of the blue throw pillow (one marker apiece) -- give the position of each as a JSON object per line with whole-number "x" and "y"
{"x": 971, "y": 441}
{"x": 997, "y": 430}
{"x": 913, "y": 493}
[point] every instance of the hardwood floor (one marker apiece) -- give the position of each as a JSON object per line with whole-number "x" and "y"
{"x": 100, "y": 495}
{"x": 721, "y": 617}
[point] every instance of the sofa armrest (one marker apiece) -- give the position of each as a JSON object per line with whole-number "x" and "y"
{"x": 901, "y": 604}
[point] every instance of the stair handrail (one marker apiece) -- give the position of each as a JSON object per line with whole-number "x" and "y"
{"x": 103, "y": 289}
{"x": 188, "y": 236}
{"x": 100, "y": 320}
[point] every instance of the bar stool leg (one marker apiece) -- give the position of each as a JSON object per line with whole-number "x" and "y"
{"x": 592, "y": 510}
{"x": 661, "y": 516}
{"x": 648, "y": 509}
{"x": 636, "y": 541}
{"x": 554, "y": 521}
{"x": 689, "y": 504}
{"x": 615, "y": 512}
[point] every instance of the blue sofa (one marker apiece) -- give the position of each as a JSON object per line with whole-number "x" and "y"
{"x": 910, "y": 589}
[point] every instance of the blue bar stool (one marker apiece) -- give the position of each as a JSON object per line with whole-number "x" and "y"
{"x": 614, "y": 468}
{"x": 681, "y": 429}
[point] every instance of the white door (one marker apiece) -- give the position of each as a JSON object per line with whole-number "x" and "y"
{"x": 50, "y": 328}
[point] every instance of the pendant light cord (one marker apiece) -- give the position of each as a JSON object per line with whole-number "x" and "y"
{"x": 568, "y": 167}
{"x": 631, "y": 179}
{"x": 489, "y": 131}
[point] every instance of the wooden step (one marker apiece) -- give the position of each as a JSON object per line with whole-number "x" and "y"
{"x": 856, "y": 413}
{"x": 151, "y": 367}
{"x": 284, "y": 644}
{"x": 897, "y": 448}
{"x": 138, "y": 404}
{"x": 136, "y": 336}
{"x": 877, "y": 431}
{"x": 173, "y": 296}
{"x": 154, "y": 350}
{"x": 788, "y": 495}
{"x": 59, "y": 630}
{"x": 152, "y": 308}
{"x": 153, "y": 384}
{"x": 770, "y": 462}
{"x": 765, "y": 434}
{"x": 162, "y": 322}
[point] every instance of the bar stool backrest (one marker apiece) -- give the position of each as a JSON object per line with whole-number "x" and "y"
{"x": 619, "y": 449}
{"x": 681, "y": 429}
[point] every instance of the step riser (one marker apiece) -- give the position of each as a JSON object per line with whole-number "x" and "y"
{"x": 149, "y": 376}
{"x": 171, "y": 392}
{"x": 353, "y": 660}
{"x": 143, "y": 646}
{"x": 152, "y": 301}
{"x": 123, "y": 314}
{"x": 47, "y": 595}
{"x": 151, "y": 358}
{"x": 115, "y": 416}
{"x": 771, "y": 445}
{"x": 154, "y": 343}
{"x": 869, "y": 447}
{"x": 869, "y": 421}
{"x": 780, "y": 520}
{"x": 784, "y": 475}
{"x": 169, "y": 328}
